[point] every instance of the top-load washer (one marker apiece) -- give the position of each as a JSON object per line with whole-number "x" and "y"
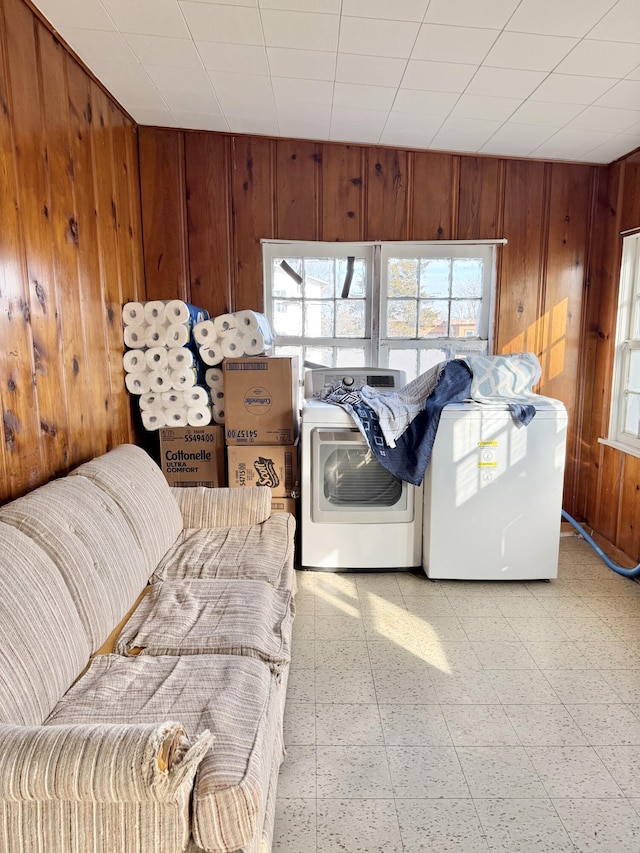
{"x": 355, "y": 515}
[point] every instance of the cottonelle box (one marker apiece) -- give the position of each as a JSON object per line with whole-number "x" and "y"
{"x": 193, "y": 456}
{"x": 264, "y": 465}
{"x": 261, "y": 400}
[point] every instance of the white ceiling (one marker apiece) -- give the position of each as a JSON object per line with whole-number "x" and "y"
{"x": 553, "y": 79}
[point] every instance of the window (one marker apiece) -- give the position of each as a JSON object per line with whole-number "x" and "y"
{"x": 624, "y": 423}
{"x": 399, "y": 305}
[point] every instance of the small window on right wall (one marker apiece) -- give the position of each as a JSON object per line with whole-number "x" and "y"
{"x": 624, "y": 423}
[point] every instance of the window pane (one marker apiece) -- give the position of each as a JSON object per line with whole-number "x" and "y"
{"x": 435, "y": 274}
{"x": 283, "y": 284}
{"x": 357, "y": 290}
{"x": 318, "y": 320}
{"x": 403, "y": 277}
{"x": 318, "y": 278}
{"x": 319, "y": 356}
{"x": 633, "y": 382}
{"x": 287, "y": 319}
{"x": 404, "y": 359}
{"x": 350, "y": 357}
{"x": 434, "y": 319}
{"x": 430, "y": 357}
{"x": 465, "y": 315}
{"x": 632, "y": 415}
{"x": 350, "y": 316}
{"x": 635, "y": 324}
{"x": 466, "y": 278}
{"x": 401, "y": 318}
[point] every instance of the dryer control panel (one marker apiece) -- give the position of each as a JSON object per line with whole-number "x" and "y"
{"x": 380, "y": 378}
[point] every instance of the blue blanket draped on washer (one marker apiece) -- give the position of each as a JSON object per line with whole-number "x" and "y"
{"x": 408, "y": 460}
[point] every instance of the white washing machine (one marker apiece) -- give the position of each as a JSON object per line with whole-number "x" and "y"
{"x": 355, "y": 515}
{"x": 493, "y": 493}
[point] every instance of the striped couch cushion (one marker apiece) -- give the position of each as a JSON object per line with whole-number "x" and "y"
{"x": 223, "y": 507}
{"x": 43, "y": 642}
{"x": 85, "y": 534}
{"x": 236, "y": 617}
{"x": 236, "y": 698}
{"x": 134, "y": 481}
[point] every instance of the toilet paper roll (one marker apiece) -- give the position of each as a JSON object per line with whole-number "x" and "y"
{"x": 198, "y": 416}
{"x": 254, "y": 343}
{"x": 178, "y": 311}
{"x": 197, "y": 397}
{"x": 218, "y": 414}
{"x": 217, "y": 396}
{"x": 173, "y": 399}
{"x": 252, "y": 321}
{"x": 157, "y": 358}
{"x": 214, "y": 378}
{"x": 134, "y": 361}
{"x": 155, "y": 335}
{"x": 180, "y": 358}
{"x": 133, "y": 314}
{"x": 151, "y": 402}
{"x": 159, "y": 381}
{"x": 134, "y": 336}
{"x": 224, "y": 323}
{"x": 211, "y": 354}
{"x": 205, "y": 332}
{"x": 232, "y": 346}
{"x": 154, "y": 311}
{"x": 152, "y": 420}
{"x": 176, "y": 417}
{"x": 137, "y": 383}
{"x": 183, "y": 379}
{"x": 177, "y": 335}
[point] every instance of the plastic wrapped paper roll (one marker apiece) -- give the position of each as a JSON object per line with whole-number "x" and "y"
{"x": 157, "y": 358}
{"x": 252, "y": 321}
{"x": 152, "y": 420}
{"x": 137, "y": 383}
{"x": 159, "y": 381}
{"x": 176, "y": 417}
{"x": 254, "y": 343}
{"x": 211, "y": 354}
{"x": 133, "y": 314}
{"x": 180, "y": 358}
{"x": 134, "y": 361}
{"x": 151, "y": 402}
{"x": 177, "y": 335}
{"x": 134, "y": 336}
{"x": 178, "y": 311}
{"x": 173, "y": 399}
{"x": 224, "y": 324}
{"x": 155, "y": 335}
{"x": 205, "y": 332}
{"x": 183, "y": 379}
{"x": 217, "y": 396}
{"x": 199, "y": 416}
{"x": 214, "y": 378}
{"x": 232, "y": 346}
{"x": 218, "y": 414}
{"x": 154, "y": 311}
{"x": 197, "y": 397}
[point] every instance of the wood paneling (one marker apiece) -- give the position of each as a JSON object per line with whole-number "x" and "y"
{"x": 433, "y": 196}
{"x": 343, "y": 208}
{"x": 62, "y": 390}
{"x": 387, "y": 194}
{"x": 298, "y": 200}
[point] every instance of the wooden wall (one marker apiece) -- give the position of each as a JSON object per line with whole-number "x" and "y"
{"x": 209, "y": 198}
{"x": 70, "y": 246}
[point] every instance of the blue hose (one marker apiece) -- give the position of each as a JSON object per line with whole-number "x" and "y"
{"x": 627, "y": 573}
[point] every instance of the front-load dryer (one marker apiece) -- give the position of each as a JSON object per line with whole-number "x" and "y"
{"x": 355, "y": 515}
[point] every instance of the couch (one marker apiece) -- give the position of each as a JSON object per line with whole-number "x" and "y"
{"x": 145, "y": 636}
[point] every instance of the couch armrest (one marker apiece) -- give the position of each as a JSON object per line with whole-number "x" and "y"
{"x": 223, "y": 507}
{"x": 97, "y": 763}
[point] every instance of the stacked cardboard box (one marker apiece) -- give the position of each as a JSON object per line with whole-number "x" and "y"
{"x": 261, "y": 425}
{"x": 193, "y": 456}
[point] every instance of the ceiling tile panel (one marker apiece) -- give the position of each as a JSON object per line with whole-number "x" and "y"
{"x": 157, "y": 118}
{"x": 99, "y": 44}
{"x": 589, "y": 57}
{"x": 234, "y": 58}
{"x": 363, "y": 97}
{"x": 530, "y": 52}
{"x": 201, "y": 121}
{"x": 372, "y": 70}
{"x": 485, "y": 107}
{"x": 300, "y": 30}
{"x": 160, "y": 50}
{"x": 550, "y": 17}
{"x": 89, "y": 14}
{"x": 571, "y": 89}
{"x": 606, "y": 118}
{"x": 567, "y": 139}
{"x": 471, "y": 133}
{"x": 187, "y": 89}
{"x": 295, "y": 89}
{"x": 453, "y": 44}
{"x": 308, "y": 64}
{"x": 377, "y": 37}
{"x": 621, "y": 23}
{"x": 399, "y": 10}
{"x": 517, "y": 140}
{"x": 625, "y": 95}
{"x": 491, "y": 13}
{"x": 231, "y": 24}
{"x": 422, "y": 102}
{"x": 150, "y": 17}
{"x": 438, "y": 76}
{"x": 546, "y": 114}
{"x": 506, "y": 82}
{"x": 329, "y": 7}
{"x": 355, "y": 125}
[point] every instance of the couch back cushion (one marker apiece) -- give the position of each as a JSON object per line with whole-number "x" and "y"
{"x": 43, "y": 642}
{"x": 86, "y": 536}
{"x": 134, "y": 481}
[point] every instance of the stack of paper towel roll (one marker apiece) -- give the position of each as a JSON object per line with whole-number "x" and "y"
{"x": 160, "y": 323}
{"x": 215, "y": 383}
{"x": 232, "y": 335}
{"x": 175, "y": 408}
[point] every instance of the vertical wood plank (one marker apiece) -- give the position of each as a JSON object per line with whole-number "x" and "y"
{"x": 208, "y": 195}
{"x": 343, "y": 207}
{"x": 162, "y": 187}
{"x": 432, "y": 196}
{"x": 630, "y": 208}
{"x": 253, "y": 216}
{"x": 297, "y": 189}
{"x": 480, "y": 198}
{"x": 387, "y": 194}
{"x": 628, "y": 532}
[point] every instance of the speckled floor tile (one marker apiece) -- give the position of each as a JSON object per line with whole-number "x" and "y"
{"x": 299, "y": 722}
{"x": 587, "y": 628}
{"x": 348, "y": 725}
{"x": 387, "y": 654}
{"x": 426, "y": 771}
{"x": 468, "y": 688}
{"x": 297, "y": 776}
{"x": 440, "y": 826}
{"x": 373, "y": 605}
{"x": 569, "y": 607}
{"x": 573, "y": 771}
{"x": 506, "y": 655}
{"x": 343, "y": 683}
{"x": 581, "y": 686}
{"x": 487, "y": 629}
{"x": 521, "y": 608}
{"x": 358, "y": 826}
{"x": 405, "y": 685}
{"x": 451, "y": 656}
{"x": 380, "y": 583}
{"x": 623, "y": 762}
{"x": 479, "y": 725}
{"x": 353, "y": 771}
{"x": 610, "y": 606}
{"x": 545, "y": 725}
{"x": 523, "y": 826}
{"x": 625, "y": 683}
{"x": 301, "y": 686}
{"x": 414, "y": 725}
{"x": 303, "y": 654}
{"x": 537, "y": 628}
{"x": 342, "y": 653}
{"x": 522, "y": 687}
{"x": 557, "y": 654}
{"x": 469, "y": 607}
{"x": 500, "y": 771}
{"x": 430, "y": 608}
{"x": 606, "y": 725}
{"x": 347, "y": 627}
{"x": 295, "y": 825}
{"x": 606, "y": 826}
